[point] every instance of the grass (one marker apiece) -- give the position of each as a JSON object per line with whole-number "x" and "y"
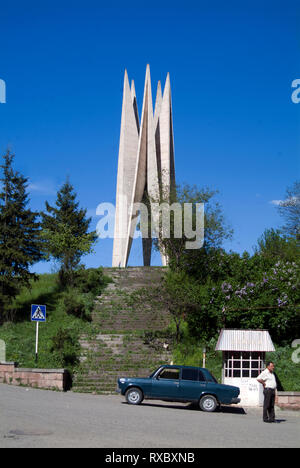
{"x": 19, "y": 336}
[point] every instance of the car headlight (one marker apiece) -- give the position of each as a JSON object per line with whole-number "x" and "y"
{"x": 122, "y": 380}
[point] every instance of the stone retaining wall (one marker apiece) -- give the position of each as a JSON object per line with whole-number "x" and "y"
{"x": 53, "y": 379}
{"x": 288, "y": 400}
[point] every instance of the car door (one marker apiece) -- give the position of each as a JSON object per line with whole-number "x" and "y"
{"x": 166, "y": 384}
{"x": 212, "y": 383}
{"x": 192, "y": 384}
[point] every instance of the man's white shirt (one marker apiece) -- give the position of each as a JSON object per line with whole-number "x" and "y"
{"x": 269, "y": 378}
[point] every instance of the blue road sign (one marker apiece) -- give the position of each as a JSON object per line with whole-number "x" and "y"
{"x": 38, "y": 313}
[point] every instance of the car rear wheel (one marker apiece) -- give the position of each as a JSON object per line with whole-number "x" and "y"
{"x": 208, "y": 403}
{"x": 134, "y": 396}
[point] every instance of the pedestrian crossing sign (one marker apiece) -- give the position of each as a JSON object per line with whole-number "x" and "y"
{"x": 38, "y": 313}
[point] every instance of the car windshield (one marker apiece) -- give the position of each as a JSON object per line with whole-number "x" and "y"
{"x": 154, "y": 372}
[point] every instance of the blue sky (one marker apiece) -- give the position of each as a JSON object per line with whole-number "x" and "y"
{"x": 231, "y": 65}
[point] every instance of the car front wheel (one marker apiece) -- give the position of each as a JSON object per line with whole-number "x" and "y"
{"x": 208, "y": 403}
{"x": 134, "y": 396}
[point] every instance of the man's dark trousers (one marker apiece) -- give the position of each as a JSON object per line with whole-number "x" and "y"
{"x": 269, "y": 403}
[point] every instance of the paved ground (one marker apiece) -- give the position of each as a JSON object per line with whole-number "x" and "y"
{"x": 40, "y": 418}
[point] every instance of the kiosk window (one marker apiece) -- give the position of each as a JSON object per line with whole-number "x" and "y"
{"x": 243, "y": 364}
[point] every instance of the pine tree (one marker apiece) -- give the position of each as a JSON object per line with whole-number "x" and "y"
{"x": 65, "y": 232}
{"x": 20, "y": 245}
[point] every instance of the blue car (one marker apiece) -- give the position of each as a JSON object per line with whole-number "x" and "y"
{"x": 179, "y": 383}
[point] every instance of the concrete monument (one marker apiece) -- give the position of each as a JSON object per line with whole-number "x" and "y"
{"x": 146, "y": 163}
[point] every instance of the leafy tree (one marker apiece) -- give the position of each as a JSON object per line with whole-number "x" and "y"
{"x": 238, "y": 291}
{"x": 20, "y": 245}
{"x": 270, "y": 300}
{"x": 273, "y": 246}
{"x": 175, "y": 295}
{"x": 216, "y": 229}
{"x": 289, "y": 209}
{"x": 213, "y": 289}
{"x": 65, "y": 233}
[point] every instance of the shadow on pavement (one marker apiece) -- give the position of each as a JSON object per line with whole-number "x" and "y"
{"x": 232, "y": 410}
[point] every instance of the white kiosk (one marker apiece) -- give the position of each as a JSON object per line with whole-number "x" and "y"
{"x": 244, "y": 354}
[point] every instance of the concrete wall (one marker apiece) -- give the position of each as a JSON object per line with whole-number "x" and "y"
{"x": 54, "y": 379}
{"x": 288, "y": 400}
{"x": 251, "y": 392}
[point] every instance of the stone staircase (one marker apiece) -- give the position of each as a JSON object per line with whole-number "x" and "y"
{"x": 127, "y": 338}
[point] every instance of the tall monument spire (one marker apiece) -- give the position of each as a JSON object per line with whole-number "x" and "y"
{"x": 146, "y": 162}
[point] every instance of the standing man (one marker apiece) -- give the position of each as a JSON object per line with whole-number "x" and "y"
{"x": 268, "y": 380}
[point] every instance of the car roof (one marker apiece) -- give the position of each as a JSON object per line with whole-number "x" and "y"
{"x": 175, "y": 366}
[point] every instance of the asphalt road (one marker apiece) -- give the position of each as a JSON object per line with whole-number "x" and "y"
{"x": 40, "y": 418}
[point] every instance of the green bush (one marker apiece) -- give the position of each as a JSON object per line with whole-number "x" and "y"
{"x": 65, "y": 346}
{"x": 90, "y": 281}
{"x": 287, "y": 371}
{"x": 77, "y": 304}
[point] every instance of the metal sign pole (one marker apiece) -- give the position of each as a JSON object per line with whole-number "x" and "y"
{"x": 204, "y": 358}
{"x": 38, "y": 314}
{"x": 37, "y": 342}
